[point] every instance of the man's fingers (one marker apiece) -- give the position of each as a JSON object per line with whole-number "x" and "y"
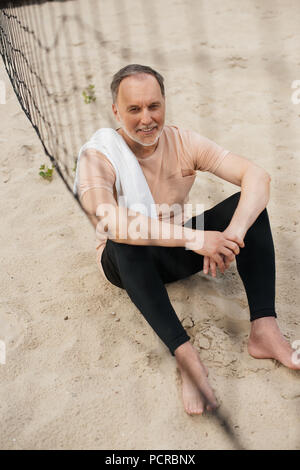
{"x": 228, "y": 253}
{"x": 239, "y": 241}
{"x": 227, "y": 261}
{"x": 206, "y": 264}
{"x": 232, "y": 246}
{"x": 219, "y": 260}
{"x": 213, "y": 267}
{"x": 235, "y": 239}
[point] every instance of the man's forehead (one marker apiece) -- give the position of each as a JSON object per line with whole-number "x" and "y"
{"x": 139, "y": 88}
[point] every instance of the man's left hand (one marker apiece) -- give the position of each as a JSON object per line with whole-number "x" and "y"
{"x": 210, "y": 264}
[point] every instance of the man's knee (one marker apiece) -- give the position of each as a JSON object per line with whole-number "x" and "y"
{"x": 234, "y": 199}
{"x": 260, "y": 227}
{"x": 219, "y": 216}
{"x": 263, "y": 218}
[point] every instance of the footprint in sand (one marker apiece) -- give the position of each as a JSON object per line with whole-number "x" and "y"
{"x": 236, "y": 61}
{"x": 5, "y": 175}
{"x": 153, "y": 360}
{"x": 232, "y": 315}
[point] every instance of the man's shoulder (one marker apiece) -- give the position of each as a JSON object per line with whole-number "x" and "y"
{"x": 171, "y": 128}
{"x": 185, "y": 138}
{"x": 179, "y": 130}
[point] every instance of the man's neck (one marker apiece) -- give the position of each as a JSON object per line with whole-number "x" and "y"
{"x": 140, "y": 151}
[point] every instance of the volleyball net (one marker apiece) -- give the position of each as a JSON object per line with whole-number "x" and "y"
{"x": 52, "y": 65}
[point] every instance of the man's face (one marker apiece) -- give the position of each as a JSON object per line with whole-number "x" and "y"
{"x": 140, "y": 106}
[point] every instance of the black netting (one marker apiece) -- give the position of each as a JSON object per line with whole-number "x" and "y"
{"x": 50, "y": 68}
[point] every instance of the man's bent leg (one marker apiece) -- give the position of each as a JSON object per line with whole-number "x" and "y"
{"x": 256, "y": 261}
{"x": 256, "y": 266}
{"x": 141, "y": 280}
{"x": 134, "y": 268}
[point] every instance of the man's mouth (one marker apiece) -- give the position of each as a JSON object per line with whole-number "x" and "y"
{"x": 148, "y": 131}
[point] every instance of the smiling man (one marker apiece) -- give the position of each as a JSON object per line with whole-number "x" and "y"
{"x": 236, "y": 229}
{"x": 142, "y": 125}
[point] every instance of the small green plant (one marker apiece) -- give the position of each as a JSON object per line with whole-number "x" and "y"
{"x": 89, "y": 94}
{"x": 46, "y": 173}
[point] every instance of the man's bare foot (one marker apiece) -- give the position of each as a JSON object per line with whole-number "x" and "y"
{"x": 267, "y": 342}
{"x": 197, "y": 394}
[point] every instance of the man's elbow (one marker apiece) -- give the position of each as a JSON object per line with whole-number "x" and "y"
{"x": 266, "y": 175}
{"x": 263, "y": 174}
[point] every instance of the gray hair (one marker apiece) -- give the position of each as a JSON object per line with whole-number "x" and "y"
{"x": 134, "y": 69}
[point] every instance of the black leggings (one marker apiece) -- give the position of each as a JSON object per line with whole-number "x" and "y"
{"x": 143, "y": 270}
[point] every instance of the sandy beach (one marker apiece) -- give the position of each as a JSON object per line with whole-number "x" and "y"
{"x": 83, "y": 369}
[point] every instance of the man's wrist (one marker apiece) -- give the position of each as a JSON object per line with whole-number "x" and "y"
{"x": 238, "y": 229}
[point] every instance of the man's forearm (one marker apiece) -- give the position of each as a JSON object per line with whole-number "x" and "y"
{"x": 255, "y": 194}
{"x": 126, "y": 226}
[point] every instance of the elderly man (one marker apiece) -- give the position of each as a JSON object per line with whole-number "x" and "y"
{"x": 235, "y": 229}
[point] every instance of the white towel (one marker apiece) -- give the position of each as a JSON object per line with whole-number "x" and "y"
{"x": 131, "y": 185}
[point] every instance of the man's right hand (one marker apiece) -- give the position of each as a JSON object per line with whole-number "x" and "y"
{"x": 216, "y": 246}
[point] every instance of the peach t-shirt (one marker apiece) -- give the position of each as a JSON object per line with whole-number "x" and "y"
{"x": 170, "y": 172}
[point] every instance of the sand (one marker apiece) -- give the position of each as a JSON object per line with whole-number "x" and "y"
{"x": 83, "y": 369}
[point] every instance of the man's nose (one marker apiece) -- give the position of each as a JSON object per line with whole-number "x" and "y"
{"x": 146, "y": 117}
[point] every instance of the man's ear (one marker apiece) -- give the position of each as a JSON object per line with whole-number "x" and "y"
{"x": 115, "y": 111}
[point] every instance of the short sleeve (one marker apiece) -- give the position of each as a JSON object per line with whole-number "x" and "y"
{"x": 95, "y": 171}
{"x": 205, "y": 154}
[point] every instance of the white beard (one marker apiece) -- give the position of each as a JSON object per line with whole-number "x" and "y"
{"x": 135, "y": 139}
